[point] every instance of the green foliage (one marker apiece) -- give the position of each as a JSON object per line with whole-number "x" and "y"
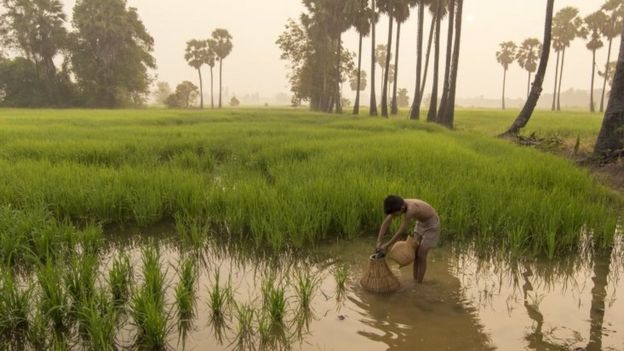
{"x": 234, "y": 102}
{"x": 184, "y": 97}
{"x": 528, "y": 54}
{"x": 120, "y": 279}
{"x": 111, "y": 53}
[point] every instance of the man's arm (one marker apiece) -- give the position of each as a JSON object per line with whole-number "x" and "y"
{"x": 384, "y": 228}
{"x": 401, "y": 231}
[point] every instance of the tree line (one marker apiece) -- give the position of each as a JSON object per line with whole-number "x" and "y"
{"x": 567, "y": 26}
{"x": 102, "y": 60}
{"x": 313, "y": 46}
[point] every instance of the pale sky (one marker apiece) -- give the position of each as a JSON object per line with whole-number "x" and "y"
{"x": 255, "y": 66}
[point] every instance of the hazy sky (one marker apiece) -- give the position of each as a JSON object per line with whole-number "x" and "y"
{"x": 255, "y": 66}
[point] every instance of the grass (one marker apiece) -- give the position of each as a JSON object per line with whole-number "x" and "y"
{"x": 186, "y": 296}
{"x": 274, "y": 301}
{"x": 14, "y": 310}
{"x": 219, "y": 299}
{"x": 120, "y": 279}
{"x": 312, "y": 177}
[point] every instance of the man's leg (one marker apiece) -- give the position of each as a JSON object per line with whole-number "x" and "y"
{"x": 420, "y": 263}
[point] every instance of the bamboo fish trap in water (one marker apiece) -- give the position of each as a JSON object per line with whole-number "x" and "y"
{"x": 379, "y": 278}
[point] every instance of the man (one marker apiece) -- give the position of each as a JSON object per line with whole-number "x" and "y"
{"x": 426, "y": 230}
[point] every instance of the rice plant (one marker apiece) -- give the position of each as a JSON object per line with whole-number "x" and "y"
{"x": 186, "y": 296}
{"x": 153, "y": 277}
{"x": 219, "y": 298}
{"x": 245, "y": 334}
{"x": 15, "y": 304}
{"x": 80, "y": 280}
{"x": 274, "y": 301}
{"x": 98, "y": 323}
{"x": 305, "y": 286}
{"x": 120, "y": 279}
{"x": 341, "y": 275}
{"x": 150, "y": 320}
{"x": 55, "y": 301}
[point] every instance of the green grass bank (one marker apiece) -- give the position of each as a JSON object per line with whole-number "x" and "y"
{"x": 284, "y": 177}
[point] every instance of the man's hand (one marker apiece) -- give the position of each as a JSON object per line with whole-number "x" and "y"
{"x": 382, "y": 247}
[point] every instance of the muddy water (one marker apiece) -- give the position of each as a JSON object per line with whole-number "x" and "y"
{"x": 466, "y": 302}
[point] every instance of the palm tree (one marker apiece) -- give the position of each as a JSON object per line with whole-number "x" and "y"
{"x": 527, "y": 56}
{"x": 449, "y": 52}
{"x": 373, "y": 99}
{"x": 361, "y": 22}
{"x": 388, "y": 7}
{"x": 447, "y": 115}
{"x": 438, "y": 11}
{"x": 196, "y": 56}
{"x": 594, "y": 23}
{"x": 610, "y": 30}
{"x": 222, "y": 48}
{"x": 211, "y": 61}
{"x": 506, "y": 56}
{"x": 529, "y": 106}
{"x": 558, "y": 48}
{"x": 610, "y": 144}
{"x": 415, "y": 110}
{"x": 567, "y": 26}
{"x": 381, "y": 57}
{"x": 401, "y": 14}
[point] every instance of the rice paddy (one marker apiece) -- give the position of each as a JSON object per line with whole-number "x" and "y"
{"x": 269, "y": 182}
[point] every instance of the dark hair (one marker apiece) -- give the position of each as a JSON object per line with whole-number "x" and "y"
{"x": 393, "y": 203}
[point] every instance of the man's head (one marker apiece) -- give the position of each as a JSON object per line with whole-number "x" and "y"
{"x": 393, "y": 204}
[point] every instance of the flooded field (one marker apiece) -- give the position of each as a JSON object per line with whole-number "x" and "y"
{"x": 466, "y": 303}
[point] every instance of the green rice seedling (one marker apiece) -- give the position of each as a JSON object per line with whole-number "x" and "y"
{"x": 193, "y": 230}
{"x": 341, "y": 275}
{"x": 80, "y": 278}
{"x": 14, "y": 310}
{"x": 38, "y": 333}
{"x": 154, "y": 278}
{"x": 305, "y": 286}
{"x": 244, "y": 339}
{"x": 120, "y": 280}
{"x": 274, "y": 301}
{"x": 98, "y": 323}
{"x": 54, "y": 298}
{"x": 219, "y": 299}
{"x": 185, "y": 296}
{"x": 91, "y": 240}
{"x": 150, "y": 320}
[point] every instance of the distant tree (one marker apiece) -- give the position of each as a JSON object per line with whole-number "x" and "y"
{"x": 506, "y": 56}
{"x": 449, "y": 53}
{"x": 234, "y": 102}
{"x": 196, "y": 55}
{"x": 527, "y": 56}
{"x": 162, "y": 92}
{"x": 401, "y": 14}
{"x": 222, "y": 48}
{"x": 184, "y": 96}
{"x": 608, "y": 73}
{"x": 527, "y": 111}
{"x": 361, "y": 21}
{"x": 415, "y": 109}
{"x": 438, "y": 9}
{"x": 211, "y": 62}
{"x": 381, "y": 56}
{"x": 558, "y": 47}
{"x": 447, "y": 111}
{"x": 373, "y": 98}
{"x": 111, "y": 57}
{"x": 358, "y": 81}
{"x": 36, "y": 29}
{"x": 595, "y": 23}
{"x": 610, "y": 143}
{"x": 20, "y": 86}
{"x": 387, "y": 7}
{"x": 610, "y": 30}
{"x": 402, "y": 98}
{"x": 567, "y": 26}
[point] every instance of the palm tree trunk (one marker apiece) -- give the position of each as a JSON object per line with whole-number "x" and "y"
{"x": 610, "y": 142}
{"x": 592, "y": 108}
{"x": 384, "y": 96}
{"x": 338, "y": 96}
{"x": 529, "y": 106}
{"x": 201, "y": 90}
{"x": 449, "y": 52}
{"x": 373, "y": 99}
{"x": 529, "y": 85}
{"x": 426, "y": 71}
{"x": 220, "y": 81}
{"x": 448, "y": 119}
{"x": 560, "y": 80}
{"x": 504, "y": 84}
{"x": 356, "y": 105}
{"x": 604, "y": 84}
{"x": 554, "y": 104}
{"x": 395, "y": 107}
{"x": 415, "y": 112}
{"x": 432, "y": 115}
{"x": 211, "y": 88}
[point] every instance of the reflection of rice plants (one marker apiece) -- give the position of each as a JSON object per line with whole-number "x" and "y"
{"x": 274, "y": 301}
{"x": 185, "y": 296}
{"x": 119, "y": 279}
{"x": 14, "y": 309}
{"x": 219, "y": 298}
{"x": 244, "y": 339}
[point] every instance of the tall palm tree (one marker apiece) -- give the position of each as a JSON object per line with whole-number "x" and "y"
{"x": 527, "y": 56}
{"x": 449, "y": 52}
{"x": 594, "y": 23}
{"x": 360, "y": 20}
{"x": 381, "y": 56}
{"x": 506, "y": 56}
{"x": 610, "y": 30}
{"x": 401, "y": 14}
{"x": 196, "y": 56}
{"x": 415, "y": 110}
{"x": 438, "y": 11}
{"x": 373, "y": 99}
{"x": 567, "y": 26}
{"x": 388, "y": 7}
{"x": 529, "y": 106}
{"x": 610, "y": 144}
{"x": 558, "y": 48}
{"x": 222, "y": 48}
{"x": 447, "y": 117}
{"x": 341, "y": 11}
{"x": 211, "y": 61}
